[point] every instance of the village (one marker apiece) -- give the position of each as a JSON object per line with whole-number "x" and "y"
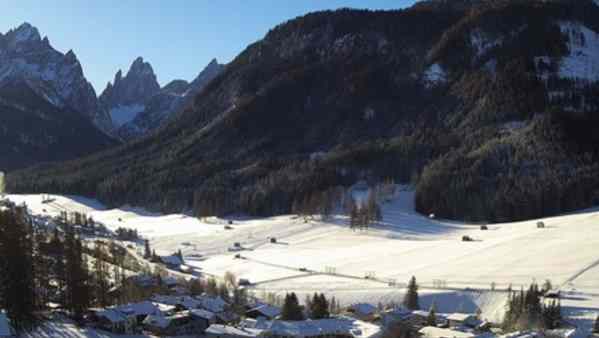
{"x": 178, "y": 313}
{"x": 171, "y": 295}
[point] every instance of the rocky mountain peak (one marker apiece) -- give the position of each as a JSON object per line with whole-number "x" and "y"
{"x": 25, "y": 32}
{"x": 177, "y": 87}
{"x": 125, "y": 97}
{"x": 206, "y": 75}
{"x": 70, "y": 57}
{"x": 58, "y": 77}
{"x": 170, "y": 100}
{"x": 22, "y": 37}
{"x": 140, "y": 67}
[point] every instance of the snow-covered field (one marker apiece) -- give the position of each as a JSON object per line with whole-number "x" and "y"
{"x": 329, "y": 257}
{"x": 63, "y": 328}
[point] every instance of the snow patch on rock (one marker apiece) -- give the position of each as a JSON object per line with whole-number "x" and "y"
{"x": 482, "y": 42}
{"x": 124, "y": 114}
{"x": 582, "y": 62}
{"x": 434, "y": 75}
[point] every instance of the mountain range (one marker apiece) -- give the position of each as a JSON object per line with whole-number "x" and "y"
{"x": 137, "y": 104}
{"x": 490, "y": 109}
{"x": 51, "y": 112}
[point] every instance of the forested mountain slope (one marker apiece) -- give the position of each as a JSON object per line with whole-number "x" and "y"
{"x": 32, "y": 130}
{"x": 489, "y": 106}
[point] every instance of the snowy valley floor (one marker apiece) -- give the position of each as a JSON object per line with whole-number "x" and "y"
{"x": 329, "y": 257}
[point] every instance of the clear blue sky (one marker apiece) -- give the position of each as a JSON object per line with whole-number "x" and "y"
{"x": 178, "y": 37}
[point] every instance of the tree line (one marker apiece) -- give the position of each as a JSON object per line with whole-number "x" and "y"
{"x": 527, "y": 310}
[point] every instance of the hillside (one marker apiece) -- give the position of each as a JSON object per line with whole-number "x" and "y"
{"x": 490, "y": 107}
{"x": 32, "y": 130}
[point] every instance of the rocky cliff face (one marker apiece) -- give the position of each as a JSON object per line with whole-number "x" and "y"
{"x": 125, "y": 97}
{"x": 157, "y": 109}
{"x": 57, "y": 77}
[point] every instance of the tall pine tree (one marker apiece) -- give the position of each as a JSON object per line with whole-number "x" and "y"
{"x": 411, "y": 297}
{"x": 291, "y": 308}
{"x": 17, "y": 272}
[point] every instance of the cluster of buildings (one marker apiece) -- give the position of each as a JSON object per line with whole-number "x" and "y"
{"x": 172, "y": 315}
{"x": 338, "y": 327}
{"x": 453, "y": 325}
{"x": 163, "y": 315}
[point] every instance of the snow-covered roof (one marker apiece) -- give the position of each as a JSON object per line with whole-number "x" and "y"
{"x": 436, "y": 332}
{"x": 171, "y": 260}
{"x": 190, "y": 303}
{"x": 217, "y": 329}
{"x": 460, "y": 317}
{"x": 141, "y": 308}
{"x": 320, "y": 327}
{"x": 5, "y": 328}
{"x": 165, "y": 307}
{"x": 268, "y": 311}
{"x": 168, "y": 300}
{"x": 521, "y": 334}
{"x": 364, "y": 308}
{"x": 157, "y": 321}
{"x": 212, "y": 304}
{"x": 111, "y": 315}
{"x": 185, "y": 301}
{"x": 163, "y": 321}
{"x": 203, "y": 314}
{"x": 420, "y": 313}
{"x": 260, "y": 323}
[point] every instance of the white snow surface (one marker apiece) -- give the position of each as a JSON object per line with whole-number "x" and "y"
{"x": 326, "y": 256}
{"x": 65, "y": 329}
{"x": 124, "y": 114}
{"x": 583, "y": 59}
{"x": 434, "y": 75}
{"x": 482, "y": 42}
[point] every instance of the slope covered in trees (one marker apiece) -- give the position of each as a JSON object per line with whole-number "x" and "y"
{"x": 477, "y": 107}
{"x": 32, "y": 130}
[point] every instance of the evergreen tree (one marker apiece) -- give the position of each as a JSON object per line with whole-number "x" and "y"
{"x": 42, "y": 265}
{"x": 196, "y": 287}
{"x": 319, "y": 307}
{"x": 101, "y": 274}
{"x": 291, "y": 308}
{"x": 525, "y": 311}
{"x": 354, "y": 214}
{"x": 333, "y": 305}
{"x": 308, "y": 305}
{"x": 547, "y": 286}
{"x": 324, "y": 307}
{"x": 77, "y": 292}
{"x": 373, "y": 210}
{"x": 411, "y": 297}
{"x": 58, "y": 269}
{"x": 431, "y": 319}
{"x": 17, "y": 273}
{"x": 147, "y": 251}
{"x": 223, "y": 291}
{"x": 180, "y": 255}
{"x": 212, "y": 287}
